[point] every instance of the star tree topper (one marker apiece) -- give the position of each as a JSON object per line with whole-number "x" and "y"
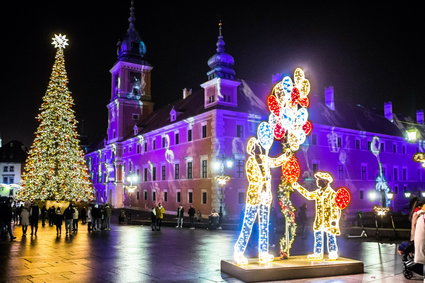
{"x": 60, "y": 41}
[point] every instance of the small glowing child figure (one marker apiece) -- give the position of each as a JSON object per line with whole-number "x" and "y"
{"x": 328, "y": 212}
{"x": 258, "y": 201}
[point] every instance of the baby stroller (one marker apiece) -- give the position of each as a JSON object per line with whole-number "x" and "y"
{"x": 407, "y": 252}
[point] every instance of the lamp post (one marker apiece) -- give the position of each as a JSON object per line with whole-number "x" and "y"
{"x": 131, "y": 178}
{"x": 221, "y": 179}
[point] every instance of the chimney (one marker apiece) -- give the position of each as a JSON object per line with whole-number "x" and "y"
{"x": 388, "y": 110}
{"x": 329, "y": 97}
{"x": 186, "y": 92}
{"x": 420, "y": 117}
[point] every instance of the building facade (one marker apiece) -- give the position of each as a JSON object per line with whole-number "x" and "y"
{"x": 173, "y": 154}
{"x": 12, "y": 159}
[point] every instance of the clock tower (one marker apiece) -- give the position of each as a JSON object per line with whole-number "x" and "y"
{"x": 131, "y": 99}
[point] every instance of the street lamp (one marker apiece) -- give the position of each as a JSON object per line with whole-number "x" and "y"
{"x": 412, "y": 134}
{"x": 132, "y": 178}
{"x": 372, "y": 195}
{"x": 390, "y": 195}
{"x": 407, "y": 194}
{"x": 221, "y": 179}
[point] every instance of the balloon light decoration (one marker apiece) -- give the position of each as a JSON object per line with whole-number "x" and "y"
{"x": 329, "y": 204}
{"x": 288, "y": 123}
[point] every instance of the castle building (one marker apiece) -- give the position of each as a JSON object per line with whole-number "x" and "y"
{"x": 12, "y": 159}
{"x": 174, "y": 154}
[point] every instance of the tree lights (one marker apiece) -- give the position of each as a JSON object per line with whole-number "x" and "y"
{"x": 55, "y": 168}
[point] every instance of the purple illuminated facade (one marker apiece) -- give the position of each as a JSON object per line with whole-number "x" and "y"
{"x": 176, "y": 151}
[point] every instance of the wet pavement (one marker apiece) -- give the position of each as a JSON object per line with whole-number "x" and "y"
{"x": 137, "y": 254}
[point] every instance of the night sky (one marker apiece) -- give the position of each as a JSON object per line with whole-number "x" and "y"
{"x": 370, "y": 54}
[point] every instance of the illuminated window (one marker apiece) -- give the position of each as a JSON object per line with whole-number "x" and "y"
{"x": 239, "y": 131}
{"x": 204, "y": 172}
{"x": 189, "y": 135}
{"x": 364, "y": 172}
{"x": 153, "y": 173}
{"x": 204, "y": 131}
{"x": 204, "y": 197}
{"x": 163, "y": 172}
{"x": 176, "y": 171}
{"x": 190, "y": 196}
{"x": 240, "y": 168}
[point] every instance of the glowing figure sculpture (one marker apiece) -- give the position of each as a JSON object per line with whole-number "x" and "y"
{"x": 381, "y": 184}
{"x": 420, "y": 157}
{"x": 329, "y": 204}
{"x": 259, "y": 195}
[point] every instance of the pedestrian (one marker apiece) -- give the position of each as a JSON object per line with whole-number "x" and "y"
{"x": 51, "y": 215}
{"x": 14, "y": 213}
{"x": 75, "y": 220}
{"x": 160, "y": 210}
{"x": 180, "y": 215}
{"x": 58, "y": 220}
{"x": 83, "y": 213}
{"x": 6, "y": 216}
{"x": 153, "y": 218}
{"x": 25, "y": 219}
{"x": 34, "y": 217}
{"x": 122, "y": 217}
{"x": 108, "y": 214}
{"x": 418, "y": 234}
{"x": 89, "y": 219}
{"x": 302, "y": 220}
{"x": 68, "y": 214}
{"x": 18, "y": 214}
{"x": 191, "y": 213}
{"x": 43, "y": 215}
{"x": 95, "y": 213}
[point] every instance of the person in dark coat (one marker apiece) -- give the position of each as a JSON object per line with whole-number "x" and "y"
{"x": 43, "y": 215}
{"x": 68, "y": 214}
{"x": 6, "y": 217}
{"x": 83, "y": 215}
{"x": 180, "y": 214}
{"x": 51, "y": 214}
{"x": 191, "y": 213}
{"x": 58, "y": 220}
{"x": 34, "y": 217}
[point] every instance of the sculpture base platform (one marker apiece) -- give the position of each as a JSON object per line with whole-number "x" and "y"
{"x": 296, "y": 267}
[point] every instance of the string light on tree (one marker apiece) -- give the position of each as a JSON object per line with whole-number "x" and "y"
{"x": 55, "y": 168}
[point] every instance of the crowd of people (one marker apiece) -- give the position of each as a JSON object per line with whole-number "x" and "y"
{"x": 97, "y": 217}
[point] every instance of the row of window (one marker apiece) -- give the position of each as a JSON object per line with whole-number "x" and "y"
{"x": 336, "y": 141}
{"x": 154, "y": 197}
{"x": 8, "y": 168}
{"x": 8, "y": 179}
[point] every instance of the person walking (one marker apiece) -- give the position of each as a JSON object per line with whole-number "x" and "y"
{"x": 75, "y": 220}
{"x": 18, "y": 214}
{"x": 58, "y": 220}
{"x": 51, "y": 215}
{"x": 6, "y": 216}
{"x": 68, "y": 215}
{"x": 83, "y": 214}
{"x": 34, "y": 217}
{"x": 108, "y": 214}
{"x": 89, "y": 219}
{"x": 96, "y": 215}
{"x": 160, "y": 210}
{"x": 191, "y": 213}
{"x": 180, "y": 215}
{"x": 153, "y": 218}
{"x": 43, "y": 215}
{"x": 25, "y": 220}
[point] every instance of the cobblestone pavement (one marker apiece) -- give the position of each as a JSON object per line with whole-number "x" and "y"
{"x": 137, "y": 254}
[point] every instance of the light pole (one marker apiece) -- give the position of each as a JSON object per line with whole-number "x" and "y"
{"x": 131, "y": 178}
{"x": 221, "y": 179}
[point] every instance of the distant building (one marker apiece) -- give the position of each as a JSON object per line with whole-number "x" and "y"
{"x": 12, "y": 158}
{"x": 172, "y": 155}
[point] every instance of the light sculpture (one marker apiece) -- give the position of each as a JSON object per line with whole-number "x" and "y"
{"x": 329, "y": 204}
{"x": 381, "y": 211}
{"x": 420, "y": 157}
{"x": 288, "y": 123}
{"x": 381, "y": 184}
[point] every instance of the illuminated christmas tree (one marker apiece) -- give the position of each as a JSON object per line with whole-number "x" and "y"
{"x": 55, "y": 168}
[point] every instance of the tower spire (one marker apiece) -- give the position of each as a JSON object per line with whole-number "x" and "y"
{"x": 132, "y": 17}
{"x": 221, "y": 63}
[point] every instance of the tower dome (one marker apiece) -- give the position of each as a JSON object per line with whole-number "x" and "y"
{"x": 131, "y": 48}
{"x": 221, "y": 63}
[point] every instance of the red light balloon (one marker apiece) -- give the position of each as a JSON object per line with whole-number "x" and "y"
{"x": 274, "y": 105}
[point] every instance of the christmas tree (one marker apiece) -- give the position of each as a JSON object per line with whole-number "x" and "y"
{"x": 55, "y": 168}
